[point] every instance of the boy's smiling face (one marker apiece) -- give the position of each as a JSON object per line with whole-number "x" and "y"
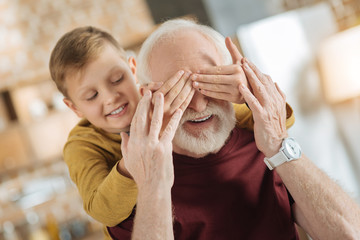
{"x": 105, "y": 91}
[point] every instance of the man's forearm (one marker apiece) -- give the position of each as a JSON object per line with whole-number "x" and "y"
{"x": 323, "y": 207}
{"x": 153, "y": 218}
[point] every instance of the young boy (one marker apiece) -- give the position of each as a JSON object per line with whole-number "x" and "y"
{"x": 98, "y": 82}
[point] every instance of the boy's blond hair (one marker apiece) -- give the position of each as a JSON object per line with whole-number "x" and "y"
{"x": 75, "y": 50}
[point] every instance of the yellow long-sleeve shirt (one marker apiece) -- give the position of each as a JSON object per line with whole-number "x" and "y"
{"x": 92, "y": 156}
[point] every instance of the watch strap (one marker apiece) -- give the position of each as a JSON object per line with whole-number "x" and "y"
{"x": 276, "y": 160}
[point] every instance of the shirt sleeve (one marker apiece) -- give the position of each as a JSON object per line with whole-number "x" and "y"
{"x": 107, "y": 196}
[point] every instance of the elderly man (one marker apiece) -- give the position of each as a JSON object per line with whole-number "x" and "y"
{"x": 224, "y": 186}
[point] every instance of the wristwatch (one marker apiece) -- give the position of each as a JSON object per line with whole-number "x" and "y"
{"x": 290, "y": 150}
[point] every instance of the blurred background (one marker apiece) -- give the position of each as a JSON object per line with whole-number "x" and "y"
{"x": 310, "y": 47}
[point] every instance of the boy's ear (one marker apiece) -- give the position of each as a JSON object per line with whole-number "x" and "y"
{"x": 142, "y": 90}
{"x": 72, "y": 106}
{"x": 132, "y": 64}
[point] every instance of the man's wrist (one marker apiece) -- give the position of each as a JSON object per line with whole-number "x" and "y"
{"x": 120, "y": 167}
{"x": 272, "y": 151}
{"x": 156, "y": 193}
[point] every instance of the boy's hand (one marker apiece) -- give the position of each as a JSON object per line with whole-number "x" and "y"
{"x": 222, "y": 82}
{"x": 148, "y": 152}
{"x": 178, "y": 92}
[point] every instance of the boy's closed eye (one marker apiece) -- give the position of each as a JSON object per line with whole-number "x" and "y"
{"x": 118, "y": 79}
{"x": 92, "y": 97}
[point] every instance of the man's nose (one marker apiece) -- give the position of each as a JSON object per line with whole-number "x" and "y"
{"x": 199, "y": 102}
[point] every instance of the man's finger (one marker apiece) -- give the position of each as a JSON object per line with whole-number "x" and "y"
{"x": 234, "y": 51}
{"x": 256, "y": 85}
{"x": 280, "y": 91}
{"x": 157, "y": 117}
{"x": 261, "y": 76}
{"x": 250, "y": 99}
{"x": 124, "y": 144}
{"x": 140, "y": 123}
{"x": 170, "y": 129}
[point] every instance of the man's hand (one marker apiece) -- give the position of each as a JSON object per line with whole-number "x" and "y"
{"x": 222, "y": 82}
{"x": 148, "y": 152}
{"x": 268, "y": 106}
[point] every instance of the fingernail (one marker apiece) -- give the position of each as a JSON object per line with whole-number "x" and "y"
{"x": 181, "y": 72}
{"x": 158, "y": 84}
{"x": 194, "y": 77}
{"x": 196, "y": 84}
{"x": 147, "y": 93}
{"x": 187, "y": 74}
{"x": 159, "y": 96}
{"x": 198, "y": 71}
{"x": 242, "y": 85}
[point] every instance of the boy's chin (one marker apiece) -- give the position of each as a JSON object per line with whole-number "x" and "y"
{"x": 126, "y": 129}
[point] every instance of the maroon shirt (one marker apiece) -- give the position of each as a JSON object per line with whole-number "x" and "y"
{"x": 228, "y": 195}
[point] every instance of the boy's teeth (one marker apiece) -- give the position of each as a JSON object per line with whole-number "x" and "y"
{"x": 201, "y": 119}
{"x": 117, "y": 110}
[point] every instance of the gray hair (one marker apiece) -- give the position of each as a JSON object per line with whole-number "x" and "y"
{"x": 168, "y": 29}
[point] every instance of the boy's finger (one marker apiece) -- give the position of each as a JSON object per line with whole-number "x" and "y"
{"x": 219, "y": 70}
{"x": 181, "y": 97}
{"x": 169, "y": 84}
{"x": 234, "y": 51}
{"x": 217, "y": 79}
{"x": 157, "y": 117}
{"x": 187, "y": 100}
{"x": 153, "y": 86}
{"x": 225, "y": 88}
{"x": 217, "y": 95}
{"x": 170, "y": 129}
{"x": 173, "y": 93}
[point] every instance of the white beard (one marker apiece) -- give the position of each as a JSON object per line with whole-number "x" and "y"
{"x": 209, "y": 140}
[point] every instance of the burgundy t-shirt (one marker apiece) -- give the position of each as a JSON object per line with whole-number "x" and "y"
{"x": 228, "y": 195}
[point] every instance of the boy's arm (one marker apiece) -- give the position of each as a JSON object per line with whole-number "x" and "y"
{"x": 107, "y": 196}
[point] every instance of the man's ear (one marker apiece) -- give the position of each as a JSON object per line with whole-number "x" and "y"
{"x": 72, "y": 106}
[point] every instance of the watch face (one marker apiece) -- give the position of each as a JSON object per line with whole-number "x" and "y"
{"x": 292, "y": 148}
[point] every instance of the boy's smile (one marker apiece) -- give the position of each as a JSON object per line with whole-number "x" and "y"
{"x": 105, "y": 91}
{"x": 118, "y": 112}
